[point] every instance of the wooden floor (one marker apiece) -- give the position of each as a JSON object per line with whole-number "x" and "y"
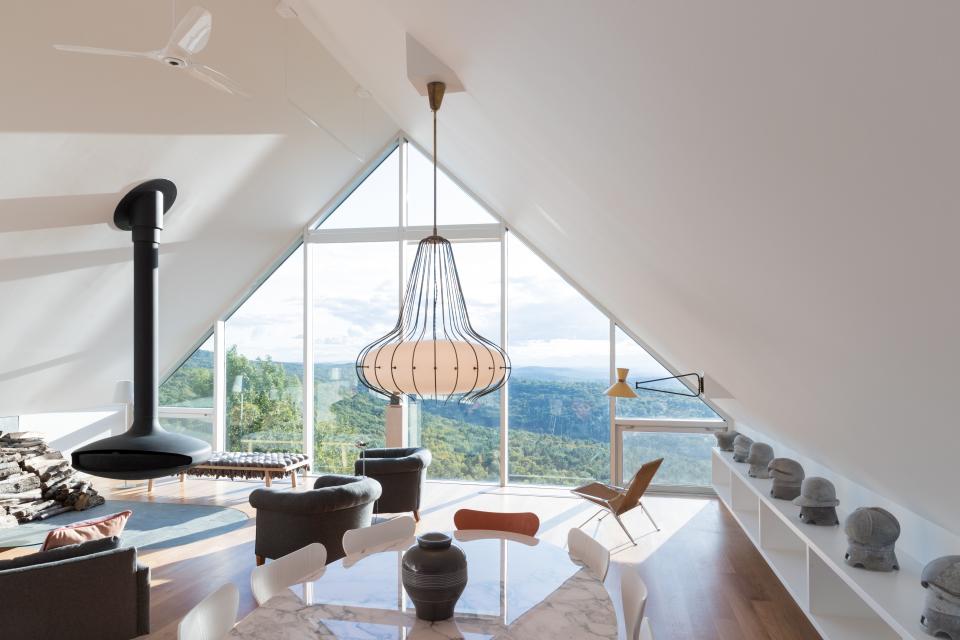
{"x": 706, "y": 579}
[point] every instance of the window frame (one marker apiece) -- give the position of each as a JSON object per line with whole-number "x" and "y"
{"x": 404, "y": 235}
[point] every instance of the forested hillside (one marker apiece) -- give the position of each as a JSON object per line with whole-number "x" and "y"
{"x": 559, "y": 426}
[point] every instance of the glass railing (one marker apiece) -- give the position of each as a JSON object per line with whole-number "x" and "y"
{"x": 684, "y": 445}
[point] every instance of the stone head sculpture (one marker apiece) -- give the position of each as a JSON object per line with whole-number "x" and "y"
{"x": 941, "y": 610}
{"x": 787, "y": 475}
{"x": 872, "y": 533}
{"x": 760, "y": 456}
{"x": 725, "y": 439}
{"x": 741, "y": 448}
{"x": 818, "y": 502}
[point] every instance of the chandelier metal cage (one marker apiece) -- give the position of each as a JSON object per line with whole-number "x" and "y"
{"x": 433, "y": 352}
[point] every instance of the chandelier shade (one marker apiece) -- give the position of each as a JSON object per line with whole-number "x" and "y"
{"x": 433, "y": 352}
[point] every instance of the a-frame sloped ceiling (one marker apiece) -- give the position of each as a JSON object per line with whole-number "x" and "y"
{"x": 77, "y": 131}
{"x": 765, "y": 191}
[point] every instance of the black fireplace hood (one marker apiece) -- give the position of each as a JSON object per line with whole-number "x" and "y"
{"x": 146, "y": 450}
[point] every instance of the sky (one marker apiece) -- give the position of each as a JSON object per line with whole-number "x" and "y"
{"x": 357, "y": 288}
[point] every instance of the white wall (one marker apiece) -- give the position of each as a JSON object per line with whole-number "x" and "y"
{"x": 69, "y": 430}
{"x": 919, "y": 538}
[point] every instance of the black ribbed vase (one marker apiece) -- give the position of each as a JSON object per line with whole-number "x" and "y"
{"x": 434, "y": 575}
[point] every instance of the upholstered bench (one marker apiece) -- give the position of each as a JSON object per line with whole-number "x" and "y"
{"x": 240, "y": 464}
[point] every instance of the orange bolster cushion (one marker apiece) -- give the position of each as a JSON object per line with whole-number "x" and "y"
{"x": 78, "y": 532}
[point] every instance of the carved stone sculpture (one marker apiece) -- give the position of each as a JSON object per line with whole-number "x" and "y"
{"x": 818, "y": 502}
{"x": 787, "y": 476}
{"x": 725, "y": 439}
{"x": 872, "y": 533}
{"x": 760, "y": 456}
{"x": 741, "y": 447}
{"x": 941, "y": 610}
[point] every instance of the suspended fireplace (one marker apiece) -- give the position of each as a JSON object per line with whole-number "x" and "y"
{"x": 146, "y": 450}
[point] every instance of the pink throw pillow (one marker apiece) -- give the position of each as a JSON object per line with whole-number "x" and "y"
{"x": 78, "y": 532}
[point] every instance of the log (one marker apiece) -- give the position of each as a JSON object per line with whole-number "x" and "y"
{"x": 8, "y": 469}
{"x": 23, "y": 435}
{"x": 61, "y": 489}
{"x": 64, "y": 476}
{"x": 22, "y": 496}
{"x": 33, "y": 507}
{"x": 16, "y": 484}
{"x": 46, "y": 513}
{"x": 88, "y": 500}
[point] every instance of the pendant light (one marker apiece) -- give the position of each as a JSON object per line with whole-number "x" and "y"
{"x": 433, "y": 353}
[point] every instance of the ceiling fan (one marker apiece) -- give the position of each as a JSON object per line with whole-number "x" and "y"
{"x": 189, "y": 38}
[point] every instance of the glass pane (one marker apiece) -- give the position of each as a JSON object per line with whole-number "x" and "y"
{"x": 686, "y": 456}
{"x": 350, "y": 310}
{"x": 559, "y": 419}
{"x": 265, "y": 364}
{"x": 465, "y": 438}
{"x": 374, "y": 203}
{"x": 652, "y": 404}
{"x": 454, "y": 206}
{"x": 191, "y": 385}
{"x": 199, "y": 427}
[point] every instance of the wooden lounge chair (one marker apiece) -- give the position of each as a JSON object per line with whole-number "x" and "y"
{"x": 616, "y": 501}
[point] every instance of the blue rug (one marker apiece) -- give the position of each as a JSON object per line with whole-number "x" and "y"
{"x": 154, "y": 525}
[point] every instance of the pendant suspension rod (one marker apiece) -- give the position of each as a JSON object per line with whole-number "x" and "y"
{"x": 435, "y": 92}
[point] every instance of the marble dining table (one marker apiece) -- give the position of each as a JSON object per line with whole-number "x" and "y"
{"x": 518, "y": 588}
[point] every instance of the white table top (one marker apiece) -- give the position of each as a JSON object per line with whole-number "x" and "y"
{"x": 517, "y": 588}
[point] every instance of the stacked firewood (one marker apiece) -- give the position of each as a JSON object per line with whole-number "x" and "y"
{"x": 37, "y": 482}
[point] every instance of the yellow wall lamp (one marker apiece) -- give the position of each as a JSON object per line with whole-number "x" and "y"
{"x": 620, "y": 388}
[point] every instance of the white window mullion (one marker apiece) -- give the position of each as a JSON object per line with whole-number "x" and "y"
{"x": 616, "y": 469}
{"x": 504, "y": 390}
{"x": 308, "y": 387}
{"x": 219, "y": 388}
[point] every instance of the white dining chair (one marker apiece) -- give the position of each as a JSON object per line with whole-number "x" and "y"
{"x": 634, "y": 596}
{"x": 586, "y": 551}
{"x": 365, "y": 538}
{"x": 270, "y": 579}
{"x": 213, "y": 617}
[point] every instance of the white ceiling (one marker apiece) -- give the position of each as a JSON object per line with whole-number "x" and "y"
{"x": 76, "y": 132}
{"x": 765, "y": 191}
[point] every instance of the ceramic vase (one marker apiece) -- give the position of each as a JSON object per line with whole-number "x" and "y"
{"x": 434, "y": 576}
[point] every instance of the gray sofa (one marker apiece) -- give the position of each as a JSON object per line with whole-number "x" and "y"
{"x": 78, "y": 592}
{"x": 288, "y": 520}
{"x": 401, "y": 471}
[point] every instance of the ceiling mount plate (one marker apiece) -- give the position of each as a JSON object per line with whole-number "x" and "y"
{"x": 423, "y": 68}
{"x": 121, "y": 215}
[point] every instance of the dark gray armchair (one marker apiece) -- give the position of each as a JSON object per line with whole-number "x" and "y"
{"x": 58, "y": 594}
{"x": 401, "y": 472}
{"x": 290, "y": 520}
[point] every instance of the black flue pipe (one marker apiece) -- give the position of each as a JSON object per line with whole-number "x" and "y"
{"x": 146, "y": 220}
{"x": 146, "y": 450}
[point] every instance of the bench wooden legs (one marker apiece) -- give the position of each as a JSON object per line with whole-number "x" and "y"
{"x": 266, "y": 477}
{"x": 293, "y": 478}
{"x": 149, "y": 486}
{"x": 416, "y": 516}
{"x": 260, "y": 561}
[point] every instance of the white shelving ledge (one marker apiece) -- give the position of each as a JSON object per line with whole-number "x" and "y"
{"x": 842, "y": 602}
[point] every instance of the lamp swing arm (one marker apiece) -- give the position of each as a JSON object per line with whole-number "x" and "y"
{"x": 699, "y": 391}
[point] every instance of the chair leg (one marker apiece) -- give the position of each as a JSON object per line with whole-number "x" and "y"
{"x": 652, "y": 521}
{"x": 591, "y": 518}
{"x": 624, "y": 527}
{"x": 603, "y": 516}
{"x": 260, "y": 561}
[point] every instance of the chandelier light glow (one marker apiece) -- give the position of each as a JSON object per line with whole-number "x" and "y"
{"x": 433, "y": 352}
